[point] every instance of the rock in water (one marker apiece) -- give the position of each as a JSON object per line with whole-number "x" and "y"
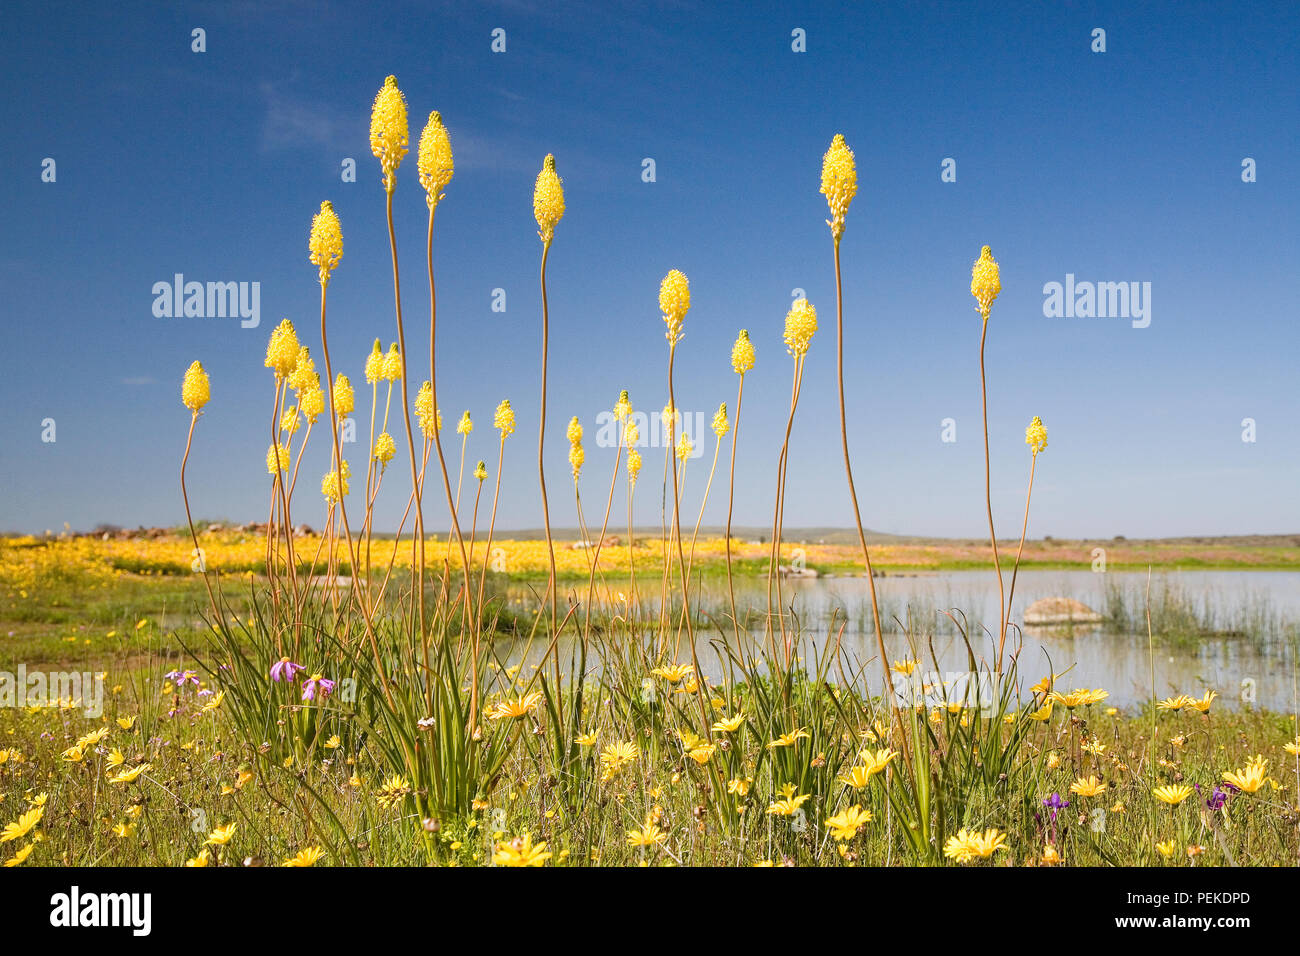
{"x": 1059, "y": 610}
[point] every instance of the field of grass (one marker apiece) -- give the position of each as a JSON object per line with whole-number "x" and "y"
{"x": 614, "y": 771}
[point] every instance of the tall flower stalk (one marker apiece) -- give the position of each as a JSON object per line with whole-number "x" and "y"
{"x": 985, "y": 284}
{"x": 720, "y": 425}
{"x": 196, "y": 390}
{"x": 326, "y": 248}
{"x": 839, "y": 184}
{"x": 548, "y": 209}
{"x": 742, "y": 360}
{"x": 674, "y": 302}
{"x": 800, "y": 326}
{"x": 389, "y": 141}
{"x": 436, "y": 168}
{"x": 1036, "y": 439}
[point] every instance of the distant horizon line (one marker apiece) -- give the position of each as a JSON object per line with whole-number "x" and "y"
{"x": 803, "y": 534}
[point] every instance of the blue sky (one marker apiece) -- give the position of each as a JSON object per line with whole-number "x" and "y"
{"x": 1122, "y": 166}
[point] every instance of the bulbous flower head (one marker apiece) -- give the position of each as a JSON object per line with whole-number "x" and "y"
{"x": 480, "y": 471}
{"x": 195, "y": 389}
{"x": 504, "y": 418}
{"x": 576, "y": 457}
{"x": 330, "y": 484}
{"x": 433, "y": 159}
{"x": 282, "y": 349}
{"x": 839, "y": 182}
{"x": 742, "y": 353}
{"x": 277, "y": 459}
{"x": 312, "y": 403}
{"x": 424, "y": 410}
{"x": 574, "y": 431}
{"x": 303, "y": 376}
{"x": 389, "y": 132}
{"x": 631, "y": 433}
{"x": 633, "y": 466}
{"x": 985, "y": 282}
{"x": 465, "y": 425}
{"x": 375, "y": 364}
{"x": 393, "y": 364}
{"x": 800, "y": 325}
{"x": 290, "y": 420}
{"x": 548, "y": 200}
{"x": 326, "y": 241}
{"x": 684, "y": 447}
{"x": 344, "y": 397}
{"x": 1036, "y": 435}
{"x": 721, "y": 425}
{"x": 623, "y": 407}
{"x": 385, "y": 448}
{"x": 674, "y": 303}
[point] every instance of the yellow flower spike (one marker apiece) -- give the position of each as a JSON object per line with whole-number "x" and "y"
{"x": 277, "y": 459}
{"x": 393, "y": 364}
{"x": 504, "y": 419}
{"x": 480, "y": 471}
{"x": 633, "y": 466}
{"x": 721, "y": 424}
{"x": 800, "y": 326}
{"x": 465, "y": 425}
{"x": 548, "y": 200}
{"x": 574, "y": 431}
{"x": 312, "y": 403}
{"x": 684, "y": 447}
{"x": 985, "y": 282}
{"x": 424, "y": 410}
{"x": 389, "y": 133}
{"x": 669, "y": 418}
{"x": 282, "y": 349}
{"x": 1036, "y": 435}
{"x": 434, "y": 160}
{"x": 344, "y": 397}
{"x": 375, "y": 364}
{"x": 674, "y": 303}
{"x": 326, "y": 241}
{"x": 196, "y": 388}
{"x": 742, "y": 353}
{"x": 385, "y": 448}
{"x": 576, "y": 459}
{"x": 329, "y": 485}
{"x": 839, "y": 183}
{"x": 303, "y": 376}
{"x": 290, "y": 420}
{"x": 623, "y": 407}
{"x": 631, "y": 433}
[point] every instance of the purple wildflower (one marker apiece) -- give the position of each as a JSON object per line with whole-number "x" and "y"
{"x": 1055, "y": 803}
{"x": 285, "y": 669}
{"x": 316, "y": 683}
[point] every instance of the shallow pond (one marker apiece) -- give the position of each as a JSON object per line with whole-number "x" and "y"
{"x": 1253, "y": 664}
